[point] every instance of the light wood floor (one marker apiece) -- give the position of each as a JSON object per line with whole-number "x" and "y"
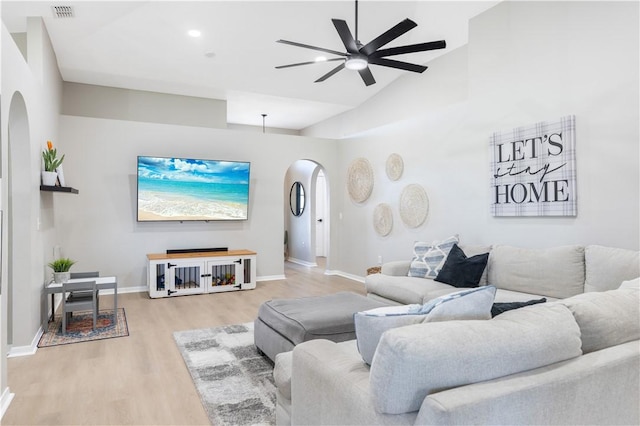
{"x": 142, "y": 379}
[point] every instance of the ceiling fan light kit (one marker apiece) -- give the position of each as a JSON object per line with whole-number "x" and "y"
{"x": 358, "y": 57}
{"x": 356, "y": 63}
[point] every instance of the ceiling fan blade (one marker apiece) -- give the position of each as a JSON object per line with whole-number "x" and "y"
{"x": 345, "y": 35}
{"x": 309, "y": 63}
{"x": 400, "y": 50}
{"x": 397, "y": 64}
{"x": 306, "y": 46}
{"x": 330, "y": 73}
{"x": 367, "y": 77}
{"x": 388, "y": 36}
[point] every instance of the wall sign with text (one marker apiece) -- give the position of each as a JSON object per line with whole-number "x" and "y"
{"x": 533, "y": 170}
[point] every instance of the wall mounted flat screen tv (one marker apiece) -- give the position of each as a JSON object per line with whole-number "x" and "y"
{"x": 189, "y": 189}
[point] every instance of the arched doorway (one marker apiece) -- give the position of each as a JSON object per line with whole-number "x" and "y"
{"x": 307, "y": 233}
{"x": 16, "y": 203}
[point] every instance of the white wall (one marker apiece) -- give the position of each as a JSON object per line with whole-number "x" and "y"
{"x": 40, "y": 85}
{"x": 525, "y": 62}
{"x": 138, "y": 105}
{"x": 100, "y": 228}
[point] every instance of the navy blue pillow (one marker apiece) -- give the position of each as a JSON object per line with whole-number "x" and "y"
{"x": 462, "y": 271}
{"x": 499, "y": 308}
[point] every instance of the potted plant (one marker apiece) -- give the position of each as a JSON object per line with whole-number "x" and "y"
{"x": 61, "y": 269}
{"x": 51, "y": 163}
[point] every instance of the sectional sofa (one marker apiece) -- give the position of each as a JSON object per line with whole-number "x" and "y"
{"x": 572, "y": 360}
{"x": 520, "y": 274}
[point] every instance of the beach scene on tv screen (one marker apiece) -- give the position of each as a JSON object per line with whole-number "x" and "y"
{"x": 192, "y": 189}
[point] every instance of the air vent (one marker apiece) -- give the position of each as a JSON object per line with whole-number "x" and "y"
{"x": 63, "y": 11}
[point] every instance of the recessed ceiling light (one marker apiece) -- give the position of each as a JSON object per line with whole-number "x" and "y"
{"x": 194, "y": 33}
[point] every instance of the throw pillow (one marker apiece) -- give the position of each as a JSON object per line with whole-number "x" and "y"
{"x": 499, "y": 308}
{"x": 462, "y": 271}
{"x": 474, "y": 304}
{"x": 428, "y": 259}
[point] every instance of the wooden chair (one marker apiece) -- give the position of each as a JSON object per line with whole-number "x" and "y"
{"x": 79, "y": 303}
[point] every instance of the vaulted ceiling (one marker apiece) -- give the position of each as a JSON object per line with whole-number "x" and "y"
{"x": 145, "y": 45}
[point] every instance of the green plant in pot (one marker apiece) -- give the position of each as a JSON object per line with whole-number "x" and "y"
{"x": 61, "y": 268}
{"x": 51, "y": 163}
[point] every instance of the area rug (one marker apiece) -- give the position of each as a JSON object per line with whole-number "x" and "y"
{"x": 235, "y": 383}
{"x": 80, "y": 328}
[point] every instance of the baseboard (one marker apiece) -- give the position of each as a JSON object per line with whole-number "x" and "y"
{"x": 271, "y": 278}
{"x": 31, "y": 349}
{"x": 345, "y": 275}
{"x": 302, "y": 262}
{"x": 5, "y": 401}
{"x": 123, "y": 290}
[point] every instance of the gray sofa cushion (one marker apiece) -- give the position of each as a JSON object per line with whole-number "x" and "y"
{"x": 406, "y": 290}
{"x": 555, "y": 272}
{"x": 414, "y": 361}
{"x": 607, "y": 267}
{"x": 606, "y": 318}
{"x": 397, "y": 268}
{"x": 472, "y": 304}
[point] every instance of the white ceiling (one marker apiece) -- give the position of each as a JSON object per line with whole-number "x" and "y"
{"x": 144, "y": 45}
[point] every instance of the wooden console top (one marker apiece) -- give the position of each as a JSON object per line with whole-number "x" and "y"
{"x": 160, "y": 256}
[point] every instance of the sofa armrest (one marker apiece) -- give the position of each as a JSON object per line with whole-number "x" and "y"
{"x": 398, "y": 268}
{"x": 597, "y": 388}
{"x": 330, "y": 385}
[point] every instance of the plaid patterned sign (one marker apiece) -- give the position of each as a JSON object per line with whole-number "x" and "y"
{"x": 533, "y": 170}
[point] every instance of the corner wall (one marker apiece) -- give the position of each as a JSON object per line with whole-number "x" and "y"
{"x": 525, "y": 62}
{"x": 40, "y": 85}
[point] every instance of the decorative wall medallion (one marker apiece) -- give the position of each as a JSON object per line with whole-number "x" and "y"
{"x": 414, "y": 205}
{"x": 382, "y": 219}
{"x": 395, "y": 166}
{"x": 360, "y": 179}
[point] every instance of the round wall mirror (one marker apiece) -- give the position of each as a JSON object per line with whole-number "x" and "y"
{"x": 296, "y": 199}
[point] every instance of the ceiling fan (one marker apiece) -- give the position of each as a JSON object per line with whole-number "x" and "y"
{"x": 358, "y": 56}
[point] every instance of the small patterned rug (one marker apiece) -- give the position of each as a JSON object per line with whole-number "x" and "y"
{"x": 235, "y": 383}
{"x": 79, "y": 329}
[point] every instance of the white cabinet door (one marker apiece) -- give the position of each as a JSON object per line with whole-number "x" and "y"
{"x": 175, "y": 277}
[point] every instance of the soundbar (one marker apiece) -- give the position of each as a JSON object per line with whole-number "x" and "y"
{"x": 197, "y": 250}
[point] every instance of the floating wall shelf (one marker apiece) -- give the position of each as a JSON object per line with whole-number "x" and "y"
{"x": 58, "y": 189}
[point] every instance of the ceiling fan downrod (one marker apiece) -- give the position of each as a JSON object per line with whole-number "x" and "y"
{"x": 357, "y": 40}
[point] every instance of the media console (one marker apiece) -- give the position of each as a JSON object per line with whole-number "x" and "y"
{"x": 179, "y": 274}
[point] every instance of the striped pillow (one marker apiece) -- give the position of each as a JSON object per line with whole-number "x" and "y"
{"x": 428, "y": 259}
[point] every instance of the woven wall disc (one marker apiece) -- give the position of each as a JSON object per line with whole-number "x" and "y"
{"x": 382, "y": 219}
{"x": 360, "y": 180}
{"x": 394, "y": 167}
{"x": 414, "y": 205}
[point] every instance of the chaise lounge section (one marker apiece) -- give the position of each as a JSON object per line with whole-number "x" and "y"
{"x": 575, "y": 361}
